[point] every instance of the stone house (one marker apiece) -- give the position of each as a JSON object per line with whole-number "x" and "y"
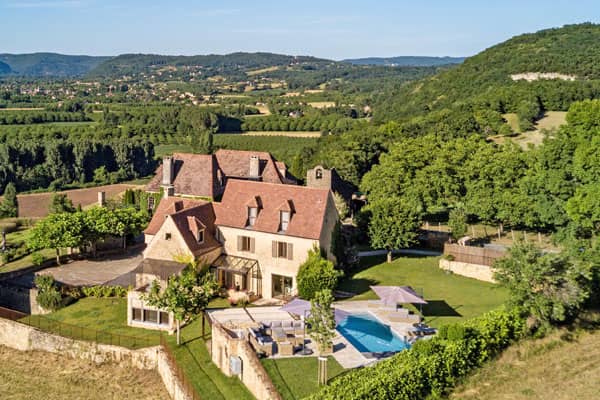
{"x": 253, "y": 240}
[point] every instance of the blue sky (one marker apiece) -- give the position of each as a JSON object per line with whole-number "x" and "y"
{"x": 331, "y": 29}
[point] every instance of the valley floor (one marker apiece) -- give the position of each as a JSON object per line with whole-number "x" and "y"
{"x": 561, "y": 366}
{"x": 41, "y": 375}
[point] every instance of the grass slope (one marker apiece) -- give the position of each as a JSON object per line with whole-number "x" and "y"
{"x": 561, "y": 366}
{"x": 192, "y": 355}
{"x": 451, "y": 298}
{"x": 296, "y": 378}
{"x": 41, "y": 375}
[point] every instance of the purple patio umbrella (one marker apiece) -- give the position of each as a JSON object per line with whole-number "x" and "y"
{"x": 394, "y": 295}
{"x": 302, "y": 307}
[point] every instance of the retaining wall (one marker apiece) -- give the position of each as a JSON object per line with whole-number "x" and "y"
{"x": 225, "y": 345}
{"x": 25, "y": 338}
{"x": 475, "y": 271}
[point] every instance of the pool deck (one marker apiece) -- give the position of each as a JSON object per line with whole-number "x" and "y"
{"x": 343, "y": 351}
{"x": 380, "y": 311}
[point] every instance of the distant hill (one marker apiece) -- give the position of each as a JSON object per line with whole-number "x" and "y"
{"x": 406, "y": 61}
{"x": 50, "y": 64}
{"x": 4, "y": 68}
{"x": 550, "y": 68}
{"x": 127, "y": 64}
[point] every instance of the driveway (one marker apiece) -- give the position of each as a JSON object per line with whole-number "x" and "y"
{"x": 112, "y": 270}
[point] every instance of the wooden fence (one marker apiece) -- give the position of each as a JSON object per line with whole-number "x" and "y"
{"x": 472, "y": 254}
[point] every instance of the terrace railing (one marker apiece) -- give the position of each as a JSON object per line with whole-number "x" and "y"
{"x": 180, "y": 374}
{"x": 78, "y": 332}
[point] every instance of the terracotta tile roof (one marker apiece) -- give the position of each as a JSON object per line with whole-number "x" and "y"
{"x": 236, "y": 164}
{"x": 166, "y": 207}
{"x": 197, "y": 174}
{"x": 194, "y": 175}
{"x": 308, "y": 206}
{"x": 189, "y": 220}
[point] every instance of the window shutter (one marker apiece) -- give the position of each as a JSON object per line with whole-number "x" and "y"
{"x": 290, "y": 251}
{"x": 252, "y": 241}
{"x": 239, "y": 243}
{"x": 274, "y": 249}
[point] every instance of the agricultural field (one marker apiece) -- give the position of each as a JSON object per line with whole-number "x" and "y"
{"x": 66, "y": 378}
{"x": 297, "y": 134}
{"x": 321, "y": 104}
{"x": 35, "y": 205}
{"x": 550, "y": 120}
{"x": 561, "y": 366}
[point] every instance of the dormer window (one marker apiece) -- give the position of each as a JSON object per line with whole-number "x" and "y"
{"x": 200, "y": 236}
{"x": 284, "y": 220}
{"x": 252, "y": 214}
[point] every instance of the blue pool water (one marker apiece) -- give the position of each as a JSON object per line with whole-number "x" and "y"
{"x": 368, "y": 335}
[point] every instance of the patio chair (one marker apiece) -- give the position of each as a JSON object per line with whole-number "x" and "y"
{"x": 261, "y": 343}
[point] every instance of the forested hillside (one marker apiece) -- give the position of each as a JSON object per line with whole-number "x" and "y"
{"x": 485, "y": 82}
{"x": 406, "y": 61}
{"x": 49, "y": 64}
{"x": 127, "y": 64}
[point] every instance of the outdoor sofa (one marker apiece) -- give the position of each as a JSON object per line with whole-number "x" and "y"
{"x": 261, "y": 343}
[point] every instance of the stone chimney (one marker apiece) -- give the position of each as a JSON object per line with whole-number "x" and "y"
{"x": 101, "y": 199}
{"x": 254, "y": 172}
{"x": 168, "y": 170}
{"x": 168, "y": 173}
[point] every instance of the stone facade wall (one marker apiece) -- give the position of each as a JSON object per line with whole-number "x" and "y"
{"x": 26, "y": 338}
{"x": 475, "y": 271}
{"x": 264, "y": 255}
{"x": 225, "y": 345}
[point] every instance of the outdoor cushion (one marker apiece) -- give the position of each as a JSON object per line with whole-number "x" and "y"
{"x": 286, "y": 324}
{"x": 276, "y": 324}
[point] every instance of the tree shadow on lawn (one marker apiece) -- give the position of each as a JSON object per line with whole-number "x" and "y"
{"x": 439, "y": 308}
{"x": 357, "y": 286}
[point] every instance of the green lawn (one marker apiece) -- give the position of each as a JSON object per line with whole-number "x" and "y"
{"x": 451, "y": 298}
{"x": 111, "y": 315}
{"x": 296, "y": 378}
{"x": 18, "y": 238}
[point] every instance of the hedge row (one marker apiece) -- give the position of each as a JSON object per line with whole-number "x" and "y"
{"x": 430, "y": 367}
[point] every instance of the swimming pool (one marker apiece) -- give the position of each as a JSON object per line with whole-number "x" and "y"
{"x": 369, "y": 335}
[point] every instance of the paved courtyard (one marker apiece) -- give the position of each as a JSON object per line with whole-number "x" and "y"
{"x": 109, "y": 270}
{"x": 113, "y": 270}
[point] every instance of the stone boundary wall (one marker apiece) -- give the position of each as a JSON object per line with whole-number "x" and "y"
{"x": 26, "y": 338}
{"x": 475, "y": 271}
{"x": 225, "y": 345}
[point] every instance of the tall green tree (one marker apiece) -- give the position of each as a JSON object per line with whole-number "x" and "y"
{"x": 10, "y": 205}
{"x": 322, "y": 320}
{"x": 60, "y": 203}
{"x": 550, "y": 287}
{"x": 58, "y": 231}
{"x": 185, "y": 295}
{"x": 394, "y": 224}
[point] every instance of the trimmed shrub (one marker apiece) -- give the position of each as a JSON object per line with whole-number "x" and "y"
{"x": 316, "y": 274}
{"x": 101, "y": 291}
{"x": 48, "y": 296}
{"x": 431, "y": 367}
{"x": 37, "y": 259}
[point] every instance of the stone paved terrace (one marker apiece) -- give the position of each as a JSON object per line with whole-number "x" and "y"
{"x": 344, "y": 352}
{"x": 110, "y": 270}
